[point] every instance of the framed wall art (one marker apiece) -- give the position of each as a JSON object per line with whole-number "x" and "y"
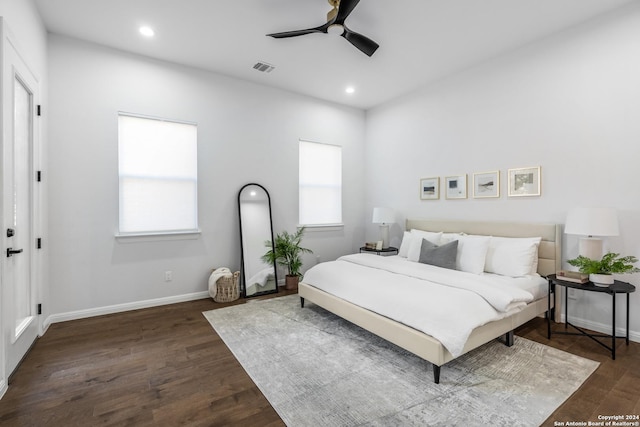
{"x": 456, "y": 187}
{"x": 524, "y": 182}
{"x": 486, "y": 184}
{"x": 430, "y": 188}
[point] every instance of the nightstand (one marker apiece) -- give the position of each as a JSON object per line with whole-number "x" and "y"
{"x": 385, "y": 251}
{"x": 617, "y": 287}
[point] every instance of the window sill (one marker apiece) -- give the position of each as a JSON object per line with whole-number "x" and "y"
{"x": 158, "y": 236}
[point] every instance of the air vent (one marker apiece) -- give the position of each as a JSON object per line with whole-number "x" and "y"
{"x": 263, "y": 67}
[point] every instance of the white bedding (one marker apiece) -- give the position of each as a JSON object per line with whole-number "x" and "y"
{"x": 446, "y": 304}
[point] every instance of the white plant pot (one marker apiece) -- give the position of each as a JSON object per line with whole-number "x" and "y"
{"x": 601, "y": 279}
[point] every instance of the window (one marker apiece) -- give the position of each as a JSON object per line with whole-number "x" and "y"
{"x": 320, "y": 184}
{"x": 157, "y": 165}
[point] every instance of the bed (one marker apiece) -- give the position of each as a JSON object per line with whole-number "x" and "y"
{"x": 415, "y": 340}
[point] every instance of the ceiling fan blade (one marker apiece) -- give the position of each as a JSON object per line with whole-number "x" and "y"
{"x": 283, "y": 35}
{"x": 345, "y": 9}
{"x": 365, "y": 44}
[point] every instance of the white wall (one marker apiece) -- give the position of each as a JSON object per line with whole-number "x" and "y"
{"x": 246, "y": 133}
{"x": 26, "y": 25}
{"x": 569, "y": 104}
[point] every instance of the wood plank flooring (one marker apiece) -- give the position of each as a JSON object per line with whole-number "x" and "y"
{"x": 167, "y": 366}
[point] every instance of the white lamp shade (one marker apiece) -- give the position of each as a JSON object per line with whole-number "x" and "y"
{"x": 592, "y": 222}
{"x": 383, "y": 216}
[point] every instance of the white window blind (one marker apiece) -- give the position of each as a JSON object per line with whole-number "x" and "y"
{"x": 320, "y": 184}
{"x": 158, "y": 171}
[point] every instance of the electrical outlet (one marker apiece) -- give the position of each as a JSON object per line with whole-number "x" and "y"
{"x": 168, "y": 276}
{"x": 572, "y": 294}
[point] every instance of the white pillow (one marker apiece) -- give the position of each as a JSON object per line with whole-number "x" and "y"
{"x": 416, "y": 243}
{"x": 429, "y": 235}
{"x": 449, "y": 237}
{"x": 405, "y": 245}
{"x": 472, "y": 253}
{"x": 514, "y": 257}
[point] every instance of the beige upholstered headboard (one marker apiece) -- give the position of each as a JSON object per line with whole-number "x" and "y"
{"x": 549, "y": 252}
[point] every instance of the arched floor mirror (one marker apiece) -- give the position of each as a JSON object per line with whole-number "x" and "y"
{"x": 254, "y": 207}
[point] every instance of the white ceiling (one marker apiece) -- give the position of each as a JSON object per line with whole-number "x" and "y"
{"x": 420, "y": 40}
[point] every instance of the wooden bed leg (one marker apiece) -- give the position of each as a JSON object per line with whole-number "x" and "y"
{"x": 508, "y": 339}
{"x": 436, "y": 374}
{"x": 301, "y": 302}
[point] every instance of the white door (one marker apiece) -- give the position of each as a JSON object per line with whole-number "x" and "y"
{"x": 19, "y": 293}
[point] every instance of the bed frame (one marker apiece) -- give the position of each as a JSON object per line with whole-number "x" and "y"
{"x": 425, "y": 346}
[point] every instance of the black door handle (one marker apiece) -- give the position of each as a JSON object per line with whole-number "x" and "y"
{"x": 11, "y": 252}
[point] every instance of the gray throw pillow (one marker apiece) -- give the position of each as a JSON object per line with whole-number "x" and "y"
{"x": 441, "y": 256}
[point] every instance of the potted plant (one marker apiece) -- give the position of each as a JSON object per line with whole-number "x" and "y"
{"x": 600, "y": 272}
{"x": 286, "y": 251}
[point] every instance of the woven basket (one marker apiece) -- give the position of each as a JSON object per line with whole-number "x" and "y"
{"x": 227, "y": 288}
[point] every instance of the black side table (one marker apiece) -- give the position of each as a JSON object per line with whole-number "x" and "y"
{"x": 617, "y": 287}
{"x": 387, "y": 251}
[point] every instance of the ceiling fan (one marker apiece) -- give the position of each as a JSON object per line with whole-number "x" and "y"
{"x": 335, "y": 22}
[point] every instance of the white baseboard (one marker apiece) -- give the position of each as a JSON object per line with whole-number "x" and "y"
{"x": 118, "y": 308}
{"x": 602, "y": 328}
{"x": 3, "y": 388}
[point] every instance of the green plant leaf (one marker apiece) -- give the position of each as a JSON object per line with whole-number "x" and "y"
{"x": 609, "y": 264}
{"x": 286, "y": 251}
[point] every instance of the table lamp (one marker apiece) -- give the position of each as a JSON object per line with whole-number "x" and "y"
{"x": 384, "y": 217}
{"x": 592, "y": 222}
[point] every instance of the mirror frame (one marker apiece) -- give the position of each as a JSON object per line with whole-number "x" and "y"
{"x": 275, "y": 267}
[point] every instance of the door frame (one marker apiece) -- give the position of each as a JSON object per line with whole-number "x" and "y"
{"x": 7, "y": 330}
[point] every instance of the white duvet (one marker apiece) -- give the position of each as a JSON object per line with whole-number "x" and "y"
{"x": 446, "y": 304}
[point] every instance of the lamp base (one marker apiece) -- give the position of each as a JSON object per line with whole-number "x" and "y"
{"x": 590, "y": 247}
{"x": 384, "y": 235}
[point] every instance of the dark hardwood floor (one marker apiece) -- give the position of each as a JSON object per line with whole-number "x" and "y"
{"x": 167, "y": 366}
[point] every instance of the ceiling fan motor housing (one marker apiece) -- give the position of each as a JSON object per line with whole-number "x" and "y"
{"x": 333, "y": 12}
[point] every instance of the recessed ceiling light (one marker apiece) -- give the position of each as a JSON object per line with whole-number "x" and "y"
{"x": 147, "y": 31}
{"x": 350, "y": 89}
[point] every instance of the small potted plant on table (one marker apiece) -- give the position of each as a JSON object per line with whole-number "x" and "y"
{"x": 600, "y": 272}
{"x": 286, "y": 251}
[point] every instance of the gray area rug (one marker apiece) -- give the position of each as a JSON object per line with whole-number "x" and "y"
{"x": 317, "y": 369}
